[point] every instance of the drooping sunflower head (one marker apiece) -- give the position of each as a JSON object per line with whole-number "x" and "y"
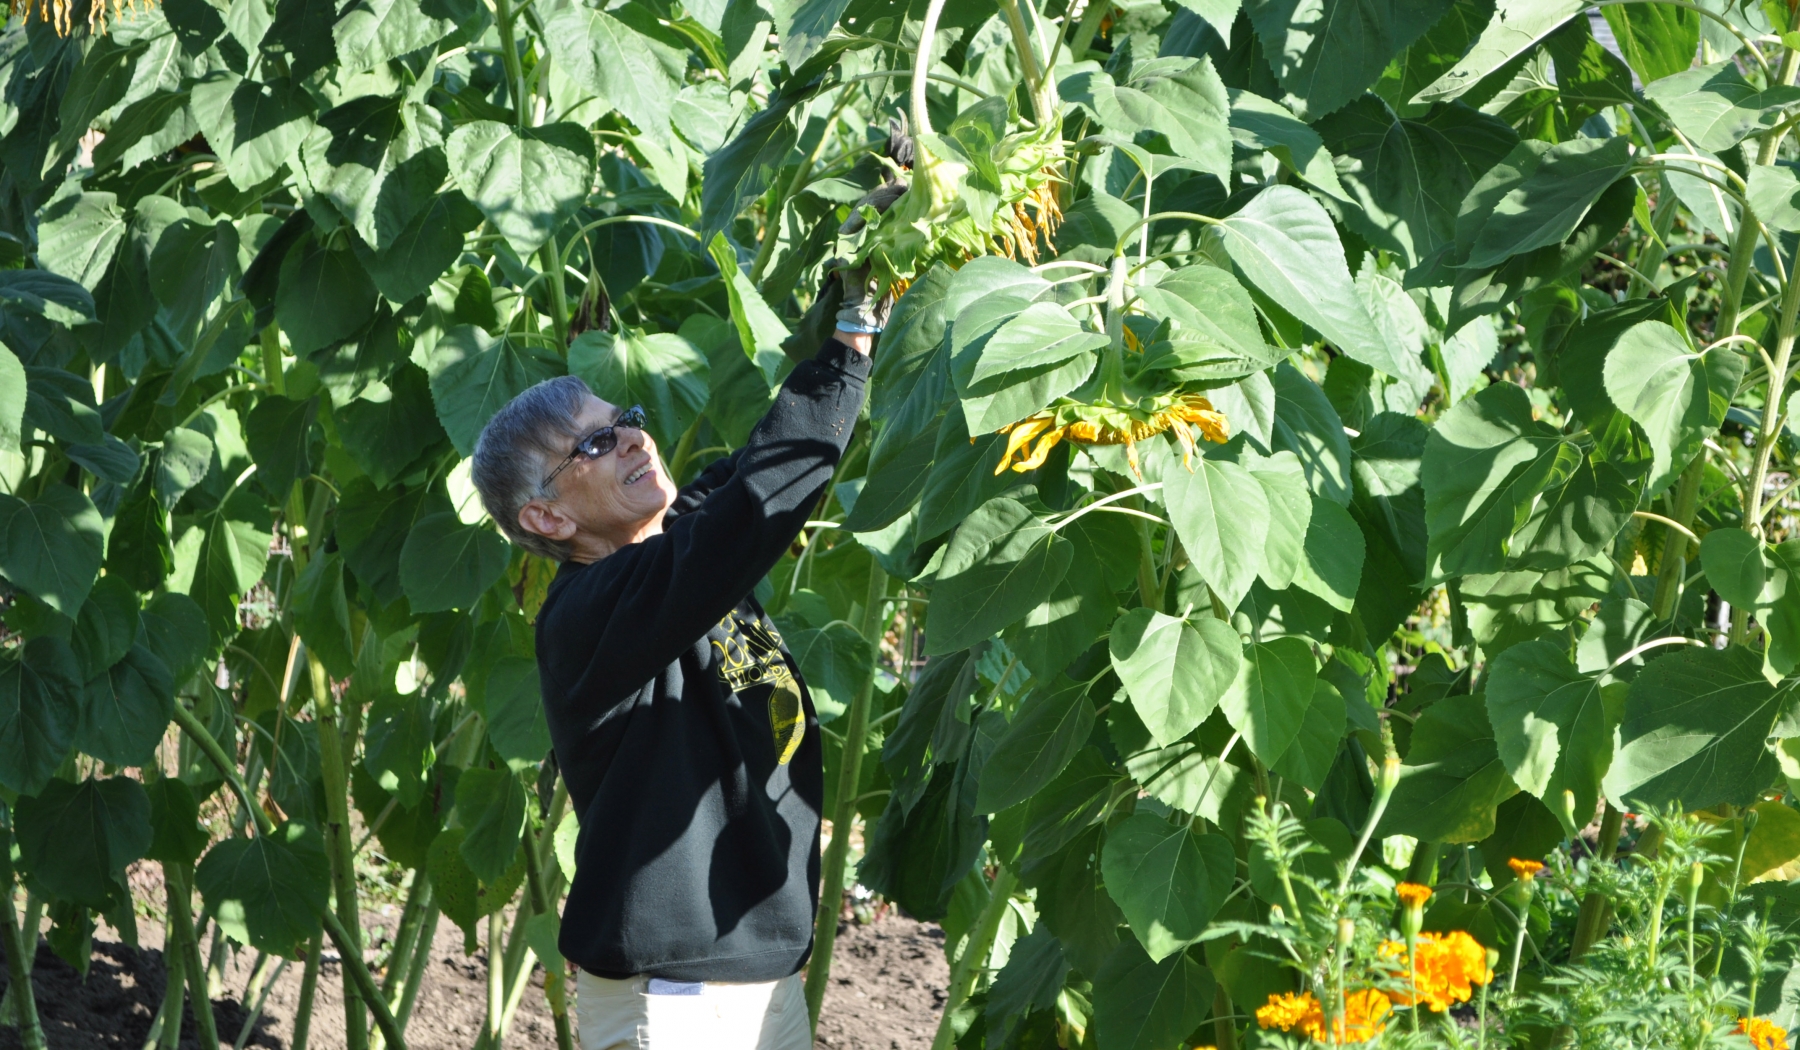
{"x": 1184, "y": 415}
{"x": 1020, "y": 213}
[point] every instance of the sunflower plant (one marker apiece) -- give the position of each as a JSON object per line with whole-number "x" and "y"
{"x": 1318, "y": 455}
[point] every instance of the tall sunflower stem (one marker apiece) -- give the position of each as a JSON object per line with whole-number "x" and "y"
{"x": 1589, "y": 923}
{"x": 973, "y": 960}
{"x": 921, "y": 112}
{"x": 843, "y": 812}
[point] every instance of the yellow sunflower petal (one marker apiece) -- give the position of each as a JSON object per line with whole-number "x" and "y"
{"x": 1040, "y": 451}
{"x": 1186, "y": 438}
{"x": 1019, "y": 435}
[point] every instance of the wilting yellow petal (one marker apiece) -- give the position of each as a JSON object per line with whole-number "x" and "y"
{"x": 1186, "y": 438}
{"x": 1086, "y": 432}
{"x": 1019, "y": 435}
{"x": 1040, "y": 451}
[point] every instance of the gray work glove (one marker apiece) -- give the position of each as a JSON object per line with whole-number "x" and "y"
{"x": 863, "y": 309}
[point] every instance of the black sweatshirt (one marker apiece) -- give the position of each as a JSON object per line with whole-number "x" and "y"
{"x": 698, "y": 858}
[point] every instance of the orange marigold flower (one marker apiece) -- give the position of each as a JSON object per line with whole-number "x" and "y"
{"x": 1525, "y": 869}
{"x": 1764, "y": 1035}
{"x": 1365, "y": 1017}
{"x": 1447, "y": 967}
{"x": 1287, "y": 1010}
{"x": 1412, "y": 894}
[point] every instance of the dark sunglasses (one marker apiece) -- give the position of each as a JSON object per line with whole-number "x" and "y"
{"x": 601, "y": 441}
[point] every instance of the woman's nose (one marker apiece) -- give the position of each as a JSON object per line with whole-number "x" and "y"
{"x": 631, "y": 438}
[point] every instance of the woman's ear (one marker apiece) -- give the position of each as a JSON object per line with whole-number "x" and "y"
{"x": 547, "y": 520}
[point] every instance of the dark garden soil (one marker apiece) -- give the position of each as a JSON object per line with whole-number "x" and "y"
{"x": 887, "y": 986}
{"x": 888, "y": 983}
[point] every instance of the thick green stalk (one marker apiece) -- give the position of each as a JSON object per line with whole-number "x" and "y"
{"x": 166, "y": 1031}
{"x": 1112, "y": 361}
{"x": 1743, "y": 244}
{"x": 515, "y": 975}
{"x": 421, "y": 961}
{"x": 1043, "y": 97}
{"x": 921, "y": 114}
{"x": 843, "y": 814}
{"x": 259, "y": 975}
{"x": 551, "y": 260}
{"x": 34, "y": 918}
{"x": 1224, "y": 1028}
{"x": 555, "y": 974}
{"x": 1774, "y": 417}
{"x": 1737, "y": 273}
{"x": 1594, "y": 907}
{"x": 309, "y": 987}
{"x": 1150, "y": 591}
{"x": 504, "y": 16}
{"x": 974, "y": 954}
{"x": 518, "y": 979}
{"x": 1674, "y": 556}
{"x": 496, "y": 982}
{"x": 335, "y": 771}
{"x": 1661, "y": 221}
{"x": 1078, "y": 48}
{"x": 271, "y": 352}
{"x": 418, "y": 900}
{"x": 256, "y": 1001}
{"x": 349, "y": 949}
{"x": 520, "y": 958}
{"x": 1424, "y": 867}
{"x": 215, "y": 964}
{"x": 418, "y": 920}
{"x": 182, "y": 919}
{"x": 31, "y": 1030}
{"x": 1742, "y": 251}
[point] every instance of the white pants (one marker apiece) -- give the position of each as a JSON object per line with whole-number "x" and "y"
{"x": 642, "y": 1014}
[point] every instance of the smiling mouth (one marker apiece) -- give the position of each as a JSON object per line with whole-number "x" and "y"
{"x": 636, "y": 475}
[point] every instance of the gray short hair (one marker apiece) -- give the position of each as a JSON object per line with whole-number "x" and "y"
{"x": 520, "y": 444}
